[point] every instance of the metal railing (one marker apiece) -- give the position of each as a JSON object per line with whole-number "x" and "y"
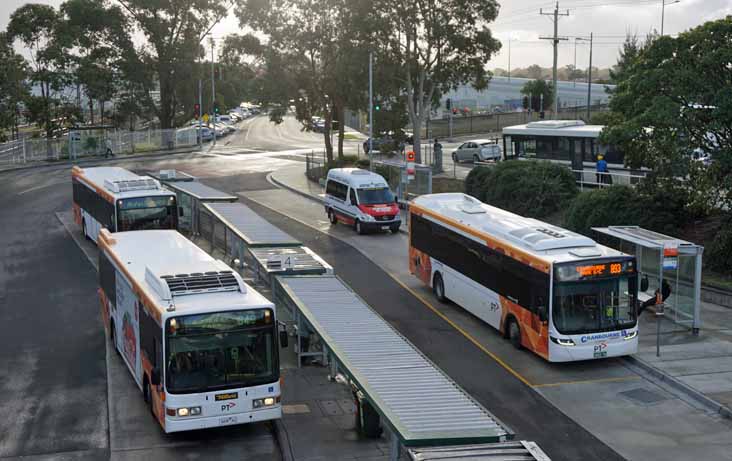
{"x": 94, "y": 143}
{"x": 591, "y": 179}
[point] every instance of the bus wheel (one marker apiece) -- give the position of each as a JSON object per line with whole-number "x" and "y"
{"x": 146, "y": 391}
{"x": 514, "y": 333}
{"x": 438, "y": 287}
{"x": 112, "y": 337}
{"x": 332, "y": 217}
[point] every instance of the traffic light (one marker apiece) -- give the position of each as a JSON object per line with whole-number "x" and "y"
{"x": 448, "y": 104}
{"x": 377, "y": 107}
{"x": 196, "y": 111}
{"x": 454, "y": 111}
{"x": 216, "y": 108}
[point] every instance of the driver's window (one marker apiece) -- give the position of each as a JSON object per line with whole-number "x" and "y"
{"x": 353, "y": 197}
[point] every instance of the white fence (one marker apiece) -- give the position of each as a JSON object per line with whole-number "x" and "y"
{"x": 94, "y": 143}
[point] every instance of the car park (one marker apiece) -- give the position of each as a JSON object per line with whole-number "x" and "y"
{"x": 361, "y": 199}
{"x": 479, "y": 150}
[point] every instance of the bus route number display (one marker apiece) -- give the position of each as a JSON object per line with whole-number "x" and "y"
{"x": 595, "y": 270}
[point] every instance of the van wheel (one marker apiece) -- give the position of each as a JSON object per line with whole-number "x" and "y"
{"x": 514, "y": 333}
{"x": 332, "y": 217}
{"x": 394, "y": 229}
{"x": 438, "y": 287}
{"x": 83, "y": 229}
{"x": 359, "y": 228}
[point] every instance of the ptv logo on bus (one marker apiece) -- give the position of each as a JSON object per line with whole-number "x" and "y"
{"x": 228, "y": 406}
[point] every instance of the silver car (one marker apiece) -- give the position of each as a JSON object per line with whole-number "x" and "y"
{"x": 479, "y": 150}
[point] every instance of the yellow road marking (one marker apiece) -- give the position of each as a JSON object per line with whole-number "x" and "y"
{"x": 462, "y": 332}
{"x": 590, "y": 381}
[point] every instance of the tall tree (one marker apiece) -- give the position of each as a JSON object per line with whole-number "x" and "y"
{"x": 540, "y": 94}
{"x": 440, "y": 44}
{"x": 673, "y": 98}
{"x": 13, "y": 86}
{"x": 99, "y": 35}
{"x": 174, "y": 30}
{"x": 36, "y": 27}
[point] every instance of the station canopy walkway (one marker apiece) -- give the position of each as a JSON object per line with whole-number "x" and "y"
{"x": 417, "y": 402}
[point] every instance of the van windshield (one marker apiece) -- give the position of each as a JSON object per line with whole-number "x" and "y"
{"x": 375, "y": 196}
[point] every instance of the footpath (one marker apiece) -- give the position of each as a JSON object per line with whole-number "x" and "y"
{"x": 98, "y": 160}
{"x": 699, "y": 367}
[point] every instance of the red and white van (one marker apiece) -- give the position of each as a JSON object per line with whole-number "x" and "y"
{"x": 361, "y": 199}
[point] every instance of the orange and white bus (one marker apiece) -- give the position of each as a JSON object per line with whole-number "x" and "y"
{"x": 201, "y": 345}
{"x": 119, "y": 200}
{"x": 549, "y": 290}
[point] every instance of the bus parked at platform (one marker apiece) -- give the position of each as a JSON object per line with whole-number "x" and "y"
{"x": 554, "y": 292}
{"x": 118, "y": 200}
{"x": 201, "y": 345}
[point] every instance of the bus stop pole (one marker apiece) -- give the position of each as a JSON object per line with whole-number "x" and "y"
{"x": 659, "y": 307}
{"x": 697, "y": 292}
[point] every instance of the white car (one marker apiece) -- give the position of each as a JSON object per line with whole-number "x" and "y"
{"x": 361, "y": 199}
{"x": 479, "y": 150}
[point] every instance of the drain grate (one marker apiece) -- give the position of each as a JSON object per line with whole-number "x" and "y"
{"x": 644, "y": 396}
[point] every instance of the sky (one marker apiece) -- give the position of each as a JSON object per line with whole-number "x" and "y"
{"x": 520, "y": 22}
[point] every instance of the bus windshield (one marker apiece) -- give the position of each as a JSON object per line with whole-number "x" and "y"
{"x": 596, "y": 305}
{"x": 375, "y": 196}
{"x": 222, "y": 350}
{"x": 141, "y": 213}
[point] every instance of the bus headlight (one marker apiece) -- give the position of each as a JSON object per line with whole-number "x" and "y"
{"x": 562, "y": 342}
{"x": 631, "y": 335}
{"x": 188, "y": 411}
{"x": 265, "y": 402}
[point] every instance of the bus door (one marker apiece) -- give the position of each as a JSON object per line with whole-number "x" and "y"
{"x": 576, "y": 146}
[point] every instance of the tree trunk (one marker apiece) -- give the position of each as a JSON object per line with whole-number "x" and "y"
{"x": 341, "y": 130}
{"x": 91, "y": 110}
{"x": 326, "y": 135}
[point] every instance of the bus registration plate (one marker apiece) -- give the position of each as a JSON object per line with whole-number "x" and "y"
{"x": 228, "y": 420}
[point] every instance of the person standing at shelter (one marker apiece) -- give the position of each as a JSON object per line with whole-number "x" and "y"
{"x": 601, "y": 167}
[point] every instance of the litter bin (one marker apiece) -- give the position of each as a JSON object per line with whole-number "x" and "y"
{"x": 368, "y": 422}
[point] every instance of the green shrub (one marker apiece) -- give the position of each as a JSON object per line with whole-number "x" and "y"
{"x": 649, "y": 206}
{"x": 529, "y": 188}
{"x": 718, "y": 254}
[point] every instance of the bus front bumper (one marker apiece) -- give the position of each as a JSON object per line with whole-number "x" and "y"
{"x": 591, "y": 351}
{"x": 173, "y": 424}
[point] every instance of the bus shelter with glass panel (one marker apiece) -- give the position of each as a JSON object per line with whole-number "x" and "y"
{"x": 663, "y": 259}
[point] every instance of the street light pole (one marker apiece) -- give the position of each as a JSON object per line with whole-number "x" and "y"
{"x": 371, "y": 111}
{"x": 509, "y": 59}
{"x": 213, "y": 92}
{"x": 589, "y": 81}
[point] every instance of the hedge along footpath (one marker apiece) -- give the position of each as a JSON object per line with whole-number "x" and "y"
{"x": 535, "y": 189}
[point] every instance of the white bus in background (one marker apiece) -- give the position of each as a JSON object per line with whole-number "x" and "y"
{"x": 117, "y": 199}
{"x": 201, "y": 345}
{"x": 549, "y": 290}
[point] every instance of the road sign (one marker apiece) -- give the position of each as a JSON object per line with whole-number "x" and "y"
{"x": 410, "y": 156}
{"x": 205, "y": 118}
{"x": 75, "y": 136}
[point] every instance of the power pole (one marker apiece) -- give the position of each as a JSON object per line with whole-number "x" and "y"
{"x": 371, "y": 111}
{"x": 555, "y": 40}
{"x": 589, "y": 81}
{"x": 200, "y": 114}
{"x": 574, "y": 79}
{"x": 213, "y": 92}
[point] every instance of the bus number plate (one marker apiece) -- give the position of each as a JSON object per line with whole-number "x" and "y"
{"x": 228, "y": 420}
{"x": 228, "y": 396}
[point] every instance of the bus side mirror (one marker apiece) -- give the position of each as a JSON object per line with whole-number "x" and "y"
{"x": 541, "y": 312}
{"x": 284, "y": 340}
{"x": 155, "y": 377}
{"x": 180, "y": 211}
